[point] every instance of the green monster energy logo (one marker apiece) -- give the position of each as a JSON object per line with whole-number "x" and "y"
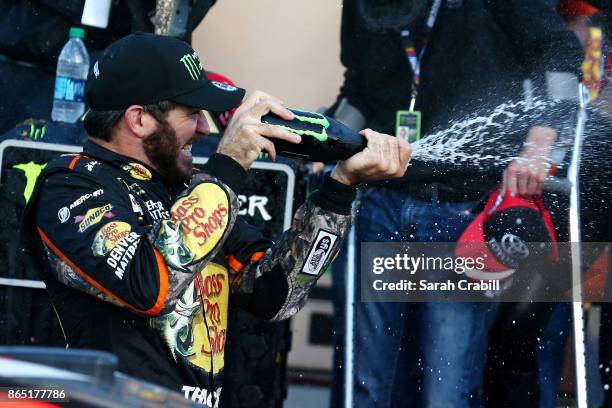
{"x": 36, "y": 133}
{"x": 315, "y": 120}
{"x": 32, "y": 171}
{"x": 192, "y": 67}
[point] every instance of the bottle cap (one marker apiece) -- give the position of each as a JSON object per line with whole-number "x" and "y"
{"x": 77, "y": 32}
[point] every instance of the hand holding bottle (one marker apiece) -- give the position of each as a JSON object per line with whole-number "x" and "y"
{"x": 384, "y": 157}
{"x": 246, "y": 136}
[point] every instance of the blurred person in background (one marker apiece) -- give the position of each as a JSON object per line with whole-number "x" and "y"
{"x": 32, "y": 34}
{"x": 476, "y": 55}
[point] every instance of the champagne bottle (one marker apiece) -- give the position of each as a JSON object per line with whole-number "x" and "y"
{"x": 323, "y": 138}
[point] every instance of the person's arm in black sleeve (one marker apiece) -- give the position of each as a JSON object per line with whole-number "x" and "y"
{"x": 542, "y": 40}
{"x": 544, "y": 44}
{"x": 102, "y": 248}
{"x": 273, "y": 281}
{"x": 551, "y": 55}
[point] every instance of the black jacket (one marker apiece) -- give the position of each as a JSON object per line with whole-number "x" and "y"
{"x": 146, "y": 270}
{"x": 477, "y": 56}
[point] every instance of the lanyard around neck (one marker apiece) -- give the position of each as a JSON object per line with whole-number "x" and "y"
{"x": 410, "y": 50}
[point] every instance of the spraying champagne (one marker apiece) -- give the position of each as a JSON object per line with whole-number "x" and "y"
{"x": 323, "y": 139}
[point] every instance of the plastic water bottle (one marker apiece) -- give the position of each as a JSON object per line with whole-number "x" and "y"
{"x": 72, "y": 68}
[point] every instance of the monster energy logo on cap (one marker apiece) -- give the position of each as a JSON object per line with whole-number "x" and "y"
{"x": 195, "y": 70}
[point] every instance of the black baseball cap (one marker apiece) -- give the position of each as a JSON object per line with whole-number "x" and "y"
{"x": 145, "y": 68}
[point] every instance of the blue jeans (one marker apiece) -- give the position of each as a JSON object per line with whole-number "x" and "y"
{"x": 413, "y": 354}
{"x": 550, "y": 354}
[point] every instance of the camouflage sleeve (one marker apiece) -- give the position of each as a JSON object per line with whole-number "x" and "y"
{"x": 280, "y": 282}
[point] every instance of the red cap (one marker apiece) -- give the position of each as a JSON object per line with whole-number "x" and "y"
{"x": 572, "y": 8}
{"x": 502, "y": 234}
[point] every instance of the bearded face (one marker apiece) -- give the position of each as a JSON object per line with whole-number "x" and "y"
{"x": 163, "y": 151}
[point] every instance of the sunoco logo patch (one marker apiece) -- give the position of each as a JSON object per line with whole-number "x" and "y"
{"x": 319, "y": 253}
{"x": 93, "y": 216}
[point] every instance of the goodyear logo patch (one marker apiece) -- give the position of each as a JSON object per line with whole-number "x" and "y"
{"x": 94, "y": 216}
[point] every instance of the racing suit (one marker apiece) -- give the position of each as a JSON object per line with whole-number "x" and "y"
{"x": 145, "y": 270}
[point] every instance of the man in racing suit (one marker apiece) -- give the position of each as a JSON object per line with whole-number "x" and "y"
{"x": 141, "y": 255}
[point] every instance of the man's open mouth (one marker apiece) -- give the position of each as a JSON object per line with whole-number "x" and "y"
{"x": 190, "y": 143}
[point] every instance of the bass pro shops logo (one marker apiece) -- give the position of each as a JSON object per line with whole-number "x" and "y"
{"x": 194, "y": 69}
{"x": 199, "y": 222}
{"x": 138, "y": 171}
{"x": 109, "y": 236}
{"x": 196, "y": 330}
